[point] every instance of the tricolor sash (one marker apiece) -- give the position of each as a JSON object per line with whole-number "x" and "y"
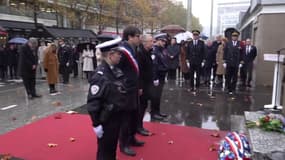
{"x": 131, "y": 59}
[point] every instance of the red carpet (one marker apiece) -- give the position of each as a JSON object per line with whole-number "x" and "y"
{"x": 31, "y": 142}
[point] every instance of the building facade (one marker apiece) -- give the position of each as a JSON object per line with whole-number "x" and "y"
{"x": 264, "y": 23}
{"x": 228, "y": 14}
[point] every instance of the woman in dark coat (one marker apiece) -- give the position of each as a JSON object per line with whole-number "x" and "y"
{"x": 173, "y": 51}
{"x": 12, "y": 55}
{"x": 3, "y": 63}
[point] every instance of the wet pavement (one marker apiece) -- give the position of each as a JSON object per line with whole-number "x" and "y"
{"x": 209, "y": 109}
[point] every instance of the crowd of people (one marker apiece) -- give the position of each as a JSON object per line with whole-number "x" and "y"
{"x": 8, "y": 62}
{"x": 217, "y": 62}
{"x": 133, "y": 73}
{"x": 51, "y": 59}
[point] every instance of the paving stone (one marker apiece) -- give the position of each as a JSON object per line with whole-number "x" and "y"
{"x": 265, "y": 145}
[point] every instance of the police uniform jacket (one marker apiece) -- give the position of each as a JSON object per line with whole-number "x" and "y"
{"x": 127, "y": 65}
{"x": 27, "y": 59}
{"x": 160, "y": 62}
{"x": 146, "y": 67}
{"x": 107, "y": 93}
{"x": 232, "y": 54}
{"x": 196, "y": 54}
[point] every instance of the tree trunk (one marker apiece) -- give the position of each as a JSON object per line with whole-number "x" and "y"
{"x": 117, "y": 17}
{"x": 35, "y": 14}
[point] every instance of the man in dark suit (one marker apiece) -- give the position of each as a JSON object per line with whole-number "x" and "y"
{"x": 129, "y": 66}
{"x": 232, "y": 59}
{"x": 27, "y": 65}
{"x": 249, "y": 54}
{"x": 145, "y": 79}
{"x": 195, "y": 56}
{"x": 65, "y": 60}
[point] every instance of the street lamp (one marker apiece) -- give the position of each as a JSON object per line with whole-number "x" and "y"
{"x": 189, "y": 15}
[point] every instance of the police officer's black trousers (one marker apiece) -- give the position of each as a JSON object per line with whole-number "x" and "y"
{"x": 246, "y": 73}
{"x": 107, "y": 145}
{"x": 129, "y": 120}
{"x": 231, "y": 78}
{"x": 30, "y": 84}
{"x": 156, "y": 95}
{"x": 195, "y": 68}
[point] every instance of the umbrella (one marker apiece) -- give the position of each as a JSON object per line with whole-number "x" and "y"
{"x": 2, "y": 31}
{"x": 106, "y": 37}
{"x": 204, "y": 37}
{"x": 18, "y": 40}
{"x": 172, "y": 29}
{"x": 183, "y": 36}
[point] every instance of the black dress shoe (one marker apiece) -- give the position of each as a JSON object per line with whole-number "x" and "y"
{"x": 137, "y": 143}
{"x": 30, "y": 97}
{"x": 156, "y": 117}
{"x": 163, "y": 114}
{"x": 53, "y": 91}
{"x": 128, "y": 151}
{"x": 143, "y": 132}
{"x": 36, "y": 96}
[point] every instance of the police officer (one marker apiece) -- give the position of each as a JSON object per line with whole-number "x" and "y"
{"x": 195, "y": 56}
{"x": 232, "y": 61}
{"x": 106, "y": 100}
{"x": 65, "y": 60}
{"x": 160, "y": 68}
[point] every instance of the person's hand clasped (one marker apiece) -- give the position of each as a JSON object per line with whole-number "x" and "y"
{"x": 225, "y": 65}
{"x": 99, "y": 131}
{"x": 156, "y": 82}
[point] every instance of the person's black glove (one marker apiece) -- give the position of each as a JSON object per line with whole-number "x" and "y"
{"x": 46, "y": 70}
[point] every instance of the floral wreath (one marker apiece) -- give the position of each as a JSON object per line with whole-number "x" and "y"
{"x": 235, "y": 146}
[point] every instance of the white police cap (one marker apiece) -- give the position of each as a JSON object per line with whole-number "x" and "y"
{"x": 160, "y": 36}
{"x": 109, "y": 45}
